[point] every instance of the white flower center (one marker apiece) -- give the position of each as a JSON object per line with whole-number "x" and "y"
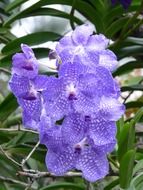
{"x": 71, "y": 89}
{"x": 79, "y": 50}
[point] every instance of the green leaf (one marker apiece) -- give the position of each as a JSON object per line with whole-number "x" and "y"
{"x": 126, "y": 169}
{"x": 120, "y": 124}
{"x": 129, "y": 51}
{"x": 137, "y": 183}
{"x": 63, "y": 185}
{"x": 115, "y": 27}
{"x": 14, "y": 4}
{"x": 12, "y": 121}
{"x": 8, "y": 106}
{"x": 138, "y": 167}
{"x": 128, "y": 67}
{"x": 31, "y": 39}
{"x": 137, "y": 87}
{"x": 113, "y": 184}
{"x": 21, "y": 138}
{"x": 134, "y": 104}
{"x": 138, "y": 115}
{"x": 133, "y": 41}
{"x": 82, "y": 6}
{"x": 118, "y": 11}
{"x": 40, "y": 12}
{"x": 24, "y": 150}
{"x": 126, "y": 139}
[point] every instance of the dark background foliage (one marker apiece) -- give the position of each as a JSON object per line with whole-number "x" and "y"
{"x": 20, "y": 156}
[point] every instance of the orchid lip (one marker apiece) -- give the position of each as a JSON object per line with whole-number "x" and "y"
{"x": 72, "y": 96}
{"x": 28, "y": 67}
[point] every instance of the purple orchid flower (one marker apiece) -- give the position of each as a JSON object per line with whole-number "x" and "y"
{"x": 63, "y": 156}
{"x": 75, "y": 91}
{"x": 125, "y": 3}
{"x": 89, "y": 49}
{"x": 25, "y": 64}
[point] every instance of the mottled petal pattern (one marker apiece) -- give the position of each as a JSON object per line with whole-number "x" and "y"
{"x": 29, "y": 122}
{"x": 108, "y": 60}
{"x": 102, "y": 133}
{"x": 81, "y": 34}
{"x": 97, "y": 42}
{"x": 93, "y": 165}
{"x": 62, "y": 162}
{"x": 52, "y": 138}
{"x": 19, "y": 85}
{"x": 73, "y": 128}
{"x": 25, "y": 64}
{"x": 111, "y": 109}
{"x": 31, "y": 104}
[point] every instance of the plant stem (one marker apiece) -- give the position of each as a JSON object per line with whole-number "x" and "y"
{"x": 8, "y": 157}
{"x": 30, "y": 154}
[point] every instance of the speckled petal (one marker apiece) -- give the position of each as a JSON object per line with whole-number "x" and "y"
{"x": 61, "y": 162}
{"x": 45, "y": 123}
{"x": 87, "y": 85}
{"x": 55, "y": 99}
{"x": 71, "y": 71}
{"x": 19, "y": 85}
{"x": 28, "y": 52}
{"x": 41, "y": 82}
{"x": 102, "y": 133}
{"x": 106, "y": 85}
{"x": 67, "y": 55}
{"x": 25, "y": 64}
{"x": 28, "y": 122}
{"x": 52, "y": 137}
{"x": 108, "y": 60}
{"x": 81, "y": 34}
{"x": 111, "y": 109}
{"x": 93, "y": 165}
{"x": 73, "y": 128}
{"x": 31, "y": 105}
{"x": 64, "y": 43}
{"x": 97, "y": 43}
{"x": 85, "y": 104}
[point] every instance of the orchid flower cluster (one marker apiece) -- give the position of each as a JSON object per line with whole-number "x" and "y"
{"x": 75, "y": 112}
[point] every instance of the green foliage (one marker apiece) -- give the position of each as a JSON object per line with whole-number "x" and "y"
{"x": 124, "y": 27}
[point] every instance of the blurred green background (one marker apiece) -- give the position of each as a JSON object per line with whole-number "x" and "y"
{"x": 40, "y": 23}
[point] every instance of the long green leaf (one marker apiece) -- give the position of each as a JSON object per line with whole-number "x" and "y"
{"x": 8, "y": 106}
{"x": 112, "y": 184}
{"x": 115, "y": 27}
{"x": 137, "y": 87}
{"x": 137, "y": 182}
{"x": 31, "y": 39}
{"x": 129, "y": 50}
{"x": 138, "y": 167}
{"x": 134, "y": 104}
{"x": 118, "y": 11}
{"x": 126, "y": 169}
{"x": 14, "y": 4}
{"x": 39, "y": 12}
{"x": 128, "y": 67}
{"x": 82, "y": 6}
{"x": 126, "y": 140}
